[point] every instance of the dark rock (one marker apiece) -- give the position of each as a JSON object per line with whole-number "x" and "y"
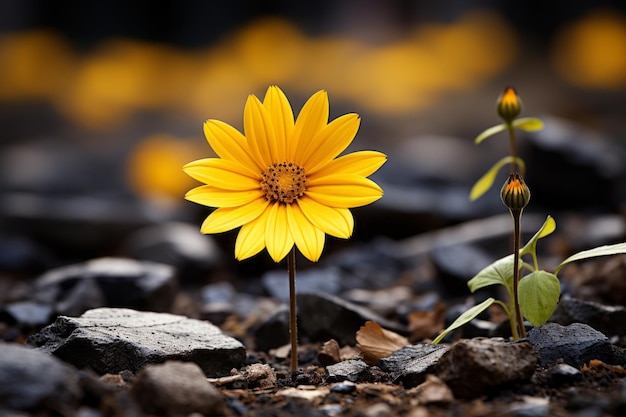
{"x": 324, "y": 316}
{"x": 457, "y": 264}
{"x": 274, "y": 331}
{"x": 561, "y": 374}
{"x": 344, "y": 387}
{"x": 30, "y": 380}
{"x": 175, "y": 389}
{"x": 351, "y": 370}
{"x": 575, "y": 344}
{"x": 327, "y": 280}
{"x": 473, "y": 367}
{"x": 410, "y": 364}
{"x": 218, "y": 302}
{"x": 113, "y": 282}
{"x": 20, "y": 254}
{"x": 111, "y": 340}
{"x": 181, "y": 245}
{"x": 610, "y": 320}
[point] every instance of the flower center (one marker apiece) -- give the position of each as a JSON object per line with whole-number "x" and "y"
{"x": 284, "y": 182}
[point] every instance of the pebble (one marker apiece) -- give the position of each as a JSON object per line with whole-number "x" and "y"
{"x": 112, "y": 282}
{"x": 350, "y": 370}
{"x": 489, "y": 362}
{"x": 574, "y": 344}
{"x": 174, "y": 388}
{"x": 111, "y": 340}
{"x": 343, "y": 387}
{"x": 561, "y": 374}
{"x": 31, "y": 380}
{"x": 410, "y": 364}
{"x": 261, "y": 376}
{"x": 610, "y": 320}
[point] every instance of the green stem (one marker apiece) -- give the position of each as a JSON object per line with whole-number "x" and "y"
{"x": 511, "y": 130}
{"x": 293, "y": 326}
{"x": 517, "y": 217}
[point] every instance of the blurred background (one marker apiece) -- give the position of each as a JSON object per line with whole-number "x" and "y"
{"x": 102, "y": 102}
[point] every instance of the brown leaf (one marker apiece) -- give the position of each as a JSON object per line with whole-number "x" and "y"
{"x": 427, "y": 324}
{"x": 377, "y": 343}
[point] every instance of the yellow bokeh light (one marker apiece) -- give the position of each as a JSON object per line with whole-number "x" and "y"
{"x": 591, "y": 52}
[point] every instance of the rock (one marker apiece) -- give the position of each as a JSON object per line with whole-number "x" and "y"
{"x": 261, "y": 376}
{"x": 324, "y": 316}
{"x": 218, "y": 301}
{"x": 350, "y": 370}
{"x": 457, "y": 264}
{"x": 529, "y": 407}
{"x": 575, "y": 344}
{"x": 114, "y": 282}
{"x": 329, "y": 353}
{"x": 343, "y": 387}
{"x": 20, "y": 254}
{"x": 327, "y": 280}
{"x": 180, "y": 245}
{"x": 432, "y": 391}
{"x": 174, "y": 389}
{"x": 110, "y": 340}
{"x": 29, "y": 314}
{"x": 561, "y": 374}
{"x": 472, "y": 367}
{"x": 30, "y": 380}
{"x": 273, "y": 332}
{"x": 610, "y": 320}
{"x": 410, "y": 364}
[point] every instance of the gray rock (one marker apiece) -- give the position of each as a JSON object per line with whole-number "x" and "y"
{"x": 575, "y": 344}
{"x": 28, "y": 313}
{"x": 457, "y": 264}
{"x": 110, "y": 340}
{"x": 175, "y": 389}
{"x": 561, "y": 374}
{"x": 181, "y": 245}
{"x": 327, "y": 280}
{"x": 112, "y": 282}
{"x": 324, "y": 316}
{"x": 410, "y": 364}
{"x": 350, "y": 370}
{"x": 31, "y": 380}
{"x": 472, "y": 367}
{"x": 274, "y": 331}
{"x": 610, "y": 320}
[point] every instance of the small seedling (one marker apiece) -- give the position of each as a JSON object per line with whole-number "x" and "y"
{"x": 533, "y": 296}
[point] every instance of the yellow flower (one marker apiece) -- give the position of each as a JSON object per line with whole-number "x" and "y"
{"x": 282, "y": 182}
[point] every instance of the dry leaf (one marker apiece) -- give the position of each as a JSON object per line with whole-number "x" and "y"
{"x": 427, "y": 324}
{"x": 329, "y": 354}
{"x": 377, "y": 343}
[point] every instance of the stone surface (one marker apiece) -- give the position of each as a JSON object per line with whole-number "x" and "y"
{"x": 111, "y": 282}
{"x": 324, "y": 316}
{"x": 110, "y": 340}
{"x": 31, "y": 380}
{"x": 610, "y": 320}
{"x": 350, "y": 370}
{"x": 410, "y": 364}
{"x": 575, "y": 344}
{"x": 472, "y": 367}
{"x": 175, "y": 389}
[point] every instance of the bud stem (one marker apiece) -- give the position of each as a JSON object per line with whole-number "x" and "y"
{"x": 517, "y": 219}
{"x": 514, "y": 164}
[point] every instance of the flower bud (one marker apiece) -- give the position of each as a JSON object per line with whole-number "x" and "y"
{"x": 515, "y": 193}
{"x": 509, "y": 105}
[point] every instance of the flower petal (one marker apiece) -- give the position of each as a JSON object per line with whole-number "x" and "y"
{"x": 259, "y": 133}
{"x": 329, "y": 142}
{"x": 221, "y": 173}
{"x": 228, "y": 218}
{"x": 278, "y": 240}
{"x": 362, "y": 163}
{"x": 228, "y": 143}
{"x": 336, "y": 222}
{"x": 308, "y": 238}
{"x": 251, "y": 238}
{"x": 312, "y": 118}
{"x": 208, "y": 195}
{"x": 281, "y": 115}
{"x": 343, "y": 191}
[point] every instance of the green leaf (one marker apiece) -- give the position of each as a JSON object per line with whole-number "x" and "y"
{"x": 539, "y": 293}
{"x": 592, "y": 253}
{"x": 486, "y": 181}
{"x": 547, "y": 228}
{"x": 490, "y": 132}
{"x": 465, "y": 318}
{"x": 498, "y": 272}
{"x": 529, "y": 124}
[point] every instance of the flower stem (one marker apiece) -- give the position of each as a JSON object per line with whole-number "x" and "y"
{"x": 293, "y": 327}
{"x": 517, "y": 217}
{"x": 511, "y": 131}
